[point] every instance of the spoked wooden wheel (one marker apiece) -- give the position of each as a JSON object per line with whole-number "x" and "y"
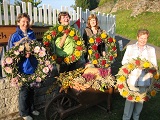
{"x": 57, "y": 105}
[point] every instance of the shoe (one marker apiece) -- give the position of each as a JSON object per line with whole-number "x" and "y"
{"x": 35, "y": 112}
{"x": 28, "y": 118}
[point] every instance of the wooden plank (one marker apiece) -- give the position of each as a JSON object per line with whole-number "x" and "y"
{"x": 6, "y": 31}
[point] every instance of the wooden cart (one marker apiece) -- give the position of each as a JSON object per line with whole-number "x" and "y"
{"x": 65, "y": 104}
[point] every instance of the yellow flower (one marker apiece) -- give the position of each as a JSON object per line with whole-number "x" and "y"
{"x": 49, "y": 37}
{"x": 91, "y": 40}
{"x": 106, "y": 65}
{"x": 60, "y": 28}
{"x": 156, "y": 76}
{"x": 54, "y": 57}
{"x": 94, "y": 62}
{"x": 124, "y": 93}
{"x": 66, "y": 60}
{"x": 77, "y": 53}
{"x": 130, "y": 66}
{"x": 153, "y": 93}
{"x": 137, "y": 98}
{"x": 146, "y": 64}
{"x": 72, "y": 33}
{"x": 103, "y": 35}
{"x": 114, "y": 40}
{"x": 115, "y": 55}
{"x": 90, "y": 52}
{"x": 79, "y": 42}
{"x": 122, "y": 78}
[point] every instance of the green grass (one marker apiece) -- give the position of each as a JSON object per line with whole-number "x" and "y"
{"x": 128, "y": 26}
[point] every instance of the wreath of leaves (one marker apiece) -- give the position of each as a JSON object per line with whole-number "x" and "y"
{"x": 56, "y": 31}
{"x": 124, "y": 73}
{"x": 13, "y": 56}
{"x": 111, "y": 52}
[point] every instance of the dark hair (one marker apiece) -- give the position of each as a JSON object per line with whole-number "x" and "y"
{"x": 21, "y": 15}
{"x": 92, "y": 16}
{"x": 142, "y": 32}
{"x": 63, "y": 13}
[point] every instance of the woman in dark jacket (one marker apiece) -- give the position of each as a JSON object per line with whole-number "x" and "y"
{"x": 27, "y": 65}
{"x": 92, "y": 29}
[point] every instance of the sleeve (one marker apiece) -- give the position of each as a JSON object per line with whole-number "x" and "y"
{"x": 152, "y": 56}
{"x": 126, "y": 56}
{"x": 85, "y": 38}
{"x": 11, "y": 41}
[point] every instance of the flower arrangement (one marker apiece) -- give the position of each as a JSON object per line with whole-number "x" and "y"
{"x": 13, "y": 56}
{"x": 58, "y": 30}
{"x": 111, "y": 52}
{"x": 123, "y": 75}
{"x": 79, "y": 80}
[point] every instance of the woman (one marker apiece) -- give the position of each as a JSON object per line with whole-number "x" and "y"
{"x": 65, "y": 45}
{"x": 93, "y": 29}
{"x": 27, "y": 65}
{"x": 141, "y": 50}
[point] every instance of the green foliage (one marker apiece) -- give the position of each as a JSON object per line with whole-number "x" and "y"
{"x": 86, "y": 4}
{"x": 128, "y": 26}
{"x": 101, "y": 2}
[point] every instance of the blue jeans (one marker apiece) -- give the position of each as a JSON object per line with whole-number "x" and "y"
{"x": 26, "y": 101}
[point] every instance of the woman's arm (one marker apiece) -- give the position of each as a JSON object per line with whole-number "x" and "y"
{"x": 62, "y": 41}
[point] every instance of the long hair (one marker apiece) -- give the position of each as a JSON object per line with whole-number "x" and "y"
{"x": 92, "y": 16}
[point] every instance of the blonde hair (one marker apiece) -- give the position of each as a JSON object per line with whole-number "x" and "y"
{"x": 92, "y": 16}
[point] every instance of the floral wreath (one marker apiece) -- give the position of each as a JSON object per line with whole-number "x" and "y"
{"x": 56, "y": 31}
{"x": 80, "y": 81}
{"x": 13, "y": 56}
{"x": 123, "y": 75}
{"x": 94, "y": 56}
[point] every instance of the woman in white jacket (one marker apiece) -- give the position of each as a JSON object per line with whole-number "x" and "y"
{"x": 141, "y": 50}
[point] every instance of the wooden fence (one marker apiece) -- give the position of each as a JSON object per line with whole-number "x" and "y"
{"x": 45, "y": 16}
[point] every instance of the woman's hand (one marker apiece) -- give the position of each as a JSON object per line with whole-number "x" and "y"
{"x": 63, "y": 39}
{"x": 103, "y": 53}
{"x": 27, "y": 54}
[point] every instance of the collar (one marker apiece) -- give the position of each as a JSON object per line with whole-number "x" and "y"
{"x": 144, "y": 47}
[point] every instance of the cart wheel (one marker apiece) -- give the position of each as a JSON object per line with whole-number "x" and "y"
{"x": 57, "y": 105}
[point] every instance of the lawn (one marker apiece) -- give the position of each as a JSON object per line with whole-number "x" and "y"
{"x": 125, "y": 26}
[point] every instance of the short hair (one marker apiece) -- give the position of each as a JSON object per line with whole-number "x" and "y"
{"x": 142, "y": 32}
{"x": 21, "y": 15}
{"x": 63, "y": 13}
{"x": 92, "y": 16}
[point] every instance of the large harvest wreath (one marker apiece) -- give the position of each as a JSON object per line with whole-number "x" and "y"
{"x": 111, "y": 52}
{"x": 124, "y": 73}
{"x": 57, "y": 31}
{"x": 13, "y": 57}
{"x": 80, "y": 80}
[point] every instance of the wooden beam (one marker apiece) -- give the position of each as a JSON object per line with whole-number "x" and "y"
{"x": 7, "y": 30}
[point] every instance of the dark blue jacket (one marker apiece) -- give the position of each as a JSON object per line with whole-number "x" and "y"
{"x": 26, "y": 65}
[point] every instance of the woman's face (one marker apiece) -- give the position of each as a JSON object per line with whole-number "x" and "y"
{"x": 142, "y": 40}
{"x": 23, "y": 24}
{"x": 93, "y": 22}
{"x": 65, "y": 20}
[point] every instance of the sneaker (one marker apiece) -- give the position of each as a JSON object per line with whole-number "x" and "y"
{"x": 35, "y": 112}
{"x": 28, "y": 118}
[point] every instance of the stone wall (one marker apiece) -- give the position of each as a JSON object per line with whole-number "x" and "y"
{"x": 9, "y": 98}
